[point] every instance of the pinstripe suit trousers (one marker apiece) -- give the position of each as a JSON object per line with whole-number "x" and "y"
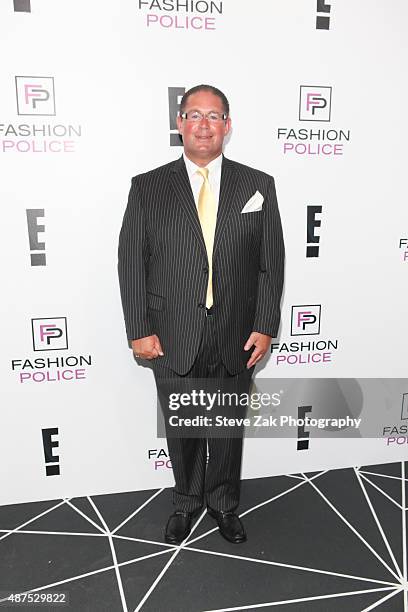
{"x": 218, "y": 482}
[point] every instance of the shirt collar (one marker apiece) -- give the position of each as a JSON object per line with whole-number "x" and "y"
{"x": 213, "y": 166}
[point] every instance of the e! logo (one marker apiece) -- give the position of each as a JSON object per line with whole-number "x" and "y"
{"x": 22, "y": 6}
{"x": 404, "y": 408}
{"x": 175, "y": 94}
{"x": 312, "y": 248}
{"x": 323, "y": 21}
{"x": 303, "y": 435}
{"x": 52, "y": 467}
{"x": 34, "y": 228}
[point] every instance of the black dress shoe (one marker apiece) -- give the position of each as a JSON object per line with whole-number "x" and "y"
{"x": 178, "y": 527}
{"x": 229, "y": 525}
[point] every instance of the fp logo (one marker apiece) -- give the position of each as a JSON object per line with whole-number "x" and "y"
{"x": 35, "y": 95}
{"x": 403, "y": 244}
{"x": 314, "y": 103}
{"x": 305, "y": 320}
{"x": 50, "y": 334}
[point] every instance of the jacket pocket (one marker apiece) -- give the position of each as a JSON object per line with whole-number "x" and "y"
{"x": 155, "y": 302}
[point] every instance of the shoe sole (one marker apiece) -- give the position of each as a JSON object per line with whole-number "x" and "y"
{"x": 232, "y": 541}
{"x": 175, "y": 542}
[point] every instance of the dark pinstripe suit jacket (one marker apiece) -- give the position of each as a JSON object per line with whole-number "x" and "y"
{"x": 163, "y": 264}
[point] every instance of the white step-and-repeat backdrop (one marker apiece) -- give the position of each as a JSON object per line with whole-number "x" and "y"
{"x": 89, "y": 95}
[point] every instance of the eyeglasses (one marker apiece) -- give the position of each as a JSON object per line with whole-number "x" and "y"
{"x": 197, "y": 116}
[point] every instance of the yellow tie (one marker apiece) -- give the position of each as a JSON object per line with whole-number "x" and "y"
{"x": 207, "y": 213}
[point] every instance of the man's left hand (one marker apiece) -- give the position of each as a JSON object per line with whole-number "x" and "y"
{"x": 262, "y": 342}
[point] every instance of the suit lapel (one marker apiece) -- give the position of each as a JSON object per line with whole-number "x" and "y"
{"x": 182, "y": 188}
{"x": 228, "y": 188}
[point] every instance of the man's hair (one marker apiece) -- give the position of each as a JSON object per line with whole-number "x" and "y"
{"x": 211, "y": 89}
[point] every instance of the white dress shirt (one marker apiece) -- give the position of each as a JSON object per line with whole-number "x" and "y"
{"x": 196, "y": 180}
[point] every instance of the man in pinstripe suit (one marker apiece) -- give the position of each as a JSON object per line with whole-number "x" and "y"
{"x": 201, "y": 272}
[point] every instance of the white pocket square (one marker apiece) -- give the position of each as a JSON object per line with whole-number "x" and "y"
{"x": 254, "y": 203}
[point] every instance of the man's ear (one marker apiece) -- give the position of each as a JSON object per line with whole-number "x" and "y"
{"x": 179, "y": 123}
{"x": 227, "y": 125}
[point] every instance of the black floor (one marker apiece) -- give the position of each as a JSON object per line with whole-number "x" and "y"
{"x": 322, "y": 542}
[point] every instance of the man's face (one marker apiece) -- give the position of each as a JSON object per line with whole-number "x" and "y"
{"x": 203, "y": 139}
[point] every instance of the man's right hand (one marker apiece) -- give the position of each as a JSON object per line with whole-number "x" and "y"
{"x": 148, "y": 347}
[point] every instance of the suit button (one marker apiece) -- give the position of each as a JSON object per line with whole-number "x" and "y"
{"x": 205, "y": 269}
{"x": 201, "y": 305}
